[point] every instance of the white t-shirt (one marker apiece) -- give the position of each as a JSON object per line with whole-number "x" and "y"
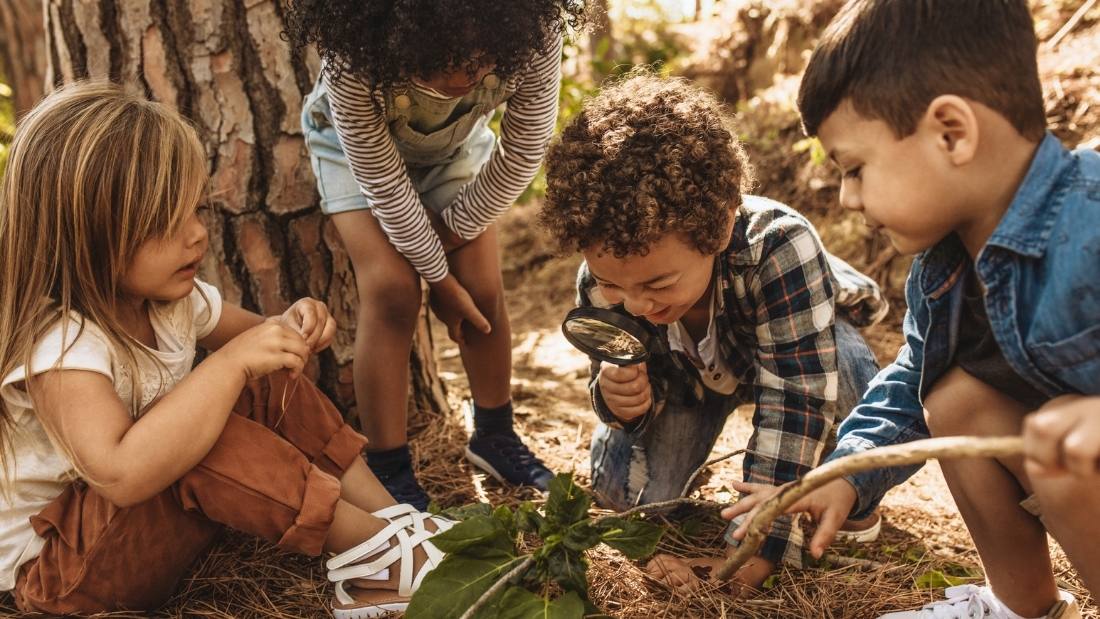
{"x": 705, "y": 355}
{"x": 38, "y": 470}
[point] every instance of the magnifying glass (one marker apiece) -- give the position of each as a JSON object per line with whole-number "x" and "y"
{"x": 609, "y": 335}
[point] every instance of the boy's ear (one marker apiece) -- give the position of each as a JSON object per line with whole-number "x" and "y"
{"x": 951, "y": 122}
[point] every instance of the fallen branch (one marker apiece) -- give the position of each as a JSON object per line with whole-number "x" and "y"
{"x": 1069, "y": 25}
{"x": 895, "y": 455}
{"x": 513, "y": 574}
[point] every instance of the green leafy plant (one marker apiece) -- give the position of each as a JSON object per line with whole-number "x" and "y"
{"x": 483, "y": 552}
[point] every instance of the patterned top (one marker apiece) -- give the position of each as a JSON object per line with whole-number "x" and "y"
{"x": 360, "y": 120}
{"x": 777, "y": 291}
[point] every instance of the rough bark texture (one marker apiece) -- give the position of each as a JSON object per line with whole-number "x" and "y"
{"x": 23, "y": 50}
{"x": 223, "y": 64}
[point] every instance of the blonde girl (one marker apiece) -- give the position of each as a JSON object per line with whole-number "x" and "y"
{"x": 120, "y": 461}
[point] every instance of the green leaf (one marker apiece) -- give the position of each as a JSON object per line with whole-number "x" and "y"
{"x": 455, "y": 584}
{"x": 915, "y": 554}
{"x": 771, "y": 581}
{"x": 581, "y": 536}
{"x": 935, "y": 579}
{"x": 528, "y": 519}
{"x": 519, "y": 603}
{"x": 480, "y": 536}
{"x": 506, "y": 518}
{"x": 569, "y": 569}
{"x": 568, "y": 503}
{"x": 636, "y": 539}
{"x": 462, "y": 512}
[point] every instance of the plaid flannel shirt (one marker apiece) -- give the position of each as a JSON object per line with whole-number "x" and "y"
{"x": 776, "y": 289}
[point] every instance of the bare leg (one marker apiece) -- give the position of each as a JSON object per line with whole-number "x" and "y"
{"x": 361, "y": 488}
{"x": 1012, "y": 542}
{"x": 351, "y": 526}
{"x": 486, "y": 357}
{"x": 1071, "y": 508}
{"x": 389, "y": 303}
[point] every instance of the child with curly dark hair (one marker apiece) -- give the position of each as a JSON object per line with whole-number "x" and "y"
{"x": 413, "y": 178}
{"x": 646, "y": 183}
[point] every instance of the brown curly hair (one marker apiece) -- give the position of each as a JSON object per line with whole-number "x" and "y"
{"x": 646, "y": 157}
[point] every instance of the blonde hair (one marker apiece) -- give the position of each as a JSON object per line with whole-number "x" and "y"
{"x": 93, "y": 172}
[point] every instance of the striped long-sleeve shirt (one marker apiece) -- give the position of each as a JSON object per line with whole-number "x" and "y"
{"x": 359, "y": 116}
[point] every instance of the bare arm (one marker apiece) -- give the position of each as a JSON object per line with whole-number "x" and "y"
{"x": 129, "y": 461}
{"x": 234, "y": 321}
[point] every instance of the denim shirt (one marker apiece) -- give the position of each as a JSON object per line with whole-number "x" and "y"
{"x": 1041, "y": 270}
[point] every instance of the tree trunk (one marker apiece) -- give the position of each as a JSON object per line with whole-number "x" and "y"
{"x": 223, "y": 64}
{"x": 600, "y": 43}
{"x": 23, "y": 51}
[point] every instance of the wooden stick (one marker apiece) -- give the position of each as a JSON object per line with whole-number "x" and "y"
{"x": 502, "y": 582}
{"x": 894, "y": 455}
{"x": 1069, "y": 25}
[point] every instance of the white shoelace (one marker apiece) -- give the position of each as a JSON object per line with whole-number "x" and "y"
{"x": 963, "y": 602}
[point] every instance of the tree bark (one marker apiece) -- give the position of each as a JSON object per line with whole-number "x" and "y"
{"x": 23, "y": 51}
{"x": 223, "y": 65}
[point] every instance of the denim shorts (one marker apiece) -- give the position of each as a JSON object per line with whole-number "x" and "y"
{"x": 437, "y": 184}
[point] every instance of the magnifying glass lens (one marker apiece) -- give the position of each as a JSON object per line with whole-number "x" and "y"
{"x": 605, "y": 338}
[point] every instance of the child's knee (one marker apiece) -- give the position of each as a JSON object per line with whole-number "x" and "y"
{"x": 489, "y": 298}
{"x": 393, "y": 301}
{"x": 952, "y": 405}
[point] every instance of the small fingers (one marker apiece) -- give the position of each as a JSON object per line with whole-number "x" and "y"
{"x": 828, "y": 523}
{"x": 327, "y": 333}
{"x": 1043, "y": 435}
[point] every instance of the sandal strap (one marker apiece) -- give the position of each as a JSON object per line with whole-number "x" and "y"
{"x": 372, "y": 559}
{"x": 394, "y": 511}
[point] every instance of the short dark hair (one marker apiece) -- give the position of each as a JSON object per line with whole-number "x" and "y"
{"x": 646, "y": 157}
{"x": 891, "y": 58}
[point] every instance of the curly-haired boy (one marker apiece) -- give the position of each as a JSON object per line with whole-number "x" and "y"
{"x": 646, "y": 183}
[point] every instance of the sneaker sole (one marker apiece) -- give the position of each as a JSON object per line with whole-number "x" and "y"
{"x": 484, "y": 465}
{"x": 869, "y": 534}
{"x": 369, "y": 612}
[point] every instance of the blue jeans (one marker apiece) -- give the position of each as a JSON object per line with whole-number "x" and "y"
{"x": 629, "y": 470}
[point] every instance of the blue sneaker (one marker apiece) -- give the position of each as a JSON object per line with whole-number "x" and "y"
{"x": 504, "y": 456}
{"x": 402, "y": 485}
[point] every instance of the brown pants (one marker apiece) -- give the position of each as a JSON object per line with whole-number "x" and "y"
{"x": 271, "y": 474}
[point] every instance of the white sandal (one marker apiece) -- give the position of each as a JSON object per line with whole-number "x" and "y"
{"x": 372, "y": 559}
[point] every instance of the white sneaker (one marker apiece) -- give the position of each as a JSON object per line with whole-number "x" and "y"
{"x": 973, "y": 602}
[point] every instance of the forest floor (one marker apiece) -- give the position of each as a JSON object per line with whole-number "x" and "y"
{"x": 924, "y": 540}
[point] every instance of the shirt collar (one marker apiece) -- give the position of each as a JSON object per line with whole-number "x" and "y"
{"x": 1027, "y": 224}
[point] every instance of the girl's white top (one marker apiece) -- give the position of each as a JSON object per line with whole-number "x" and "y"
{"x": 525, "y": 131}
{"x": 38, "y": 470}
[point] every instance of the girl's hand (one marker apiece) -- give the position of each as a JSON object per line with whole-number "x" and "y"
{"x": 626, "y": 390}
{"x": 268, "y": 347}
{"x": 312, "y": 320}
{"x": 449, "y": 238}
{"x": 1063, "y": 437}
{"x": 829, "y": 506}
{"x": 454, "y": 306}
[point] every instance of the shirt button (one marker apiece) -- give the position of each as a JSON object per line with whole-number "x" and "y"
{"x": 490, "y": 81}
{"x": 402, "y": 102}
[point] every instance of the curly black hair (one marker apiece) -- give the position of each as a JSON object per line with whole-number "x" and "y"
{"x": 386, "y": 42}
{"x": 646, "y": 157}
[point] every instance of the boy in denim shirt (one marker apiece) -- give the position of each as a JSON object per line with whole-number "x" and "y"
{"x": 646, "y": 183}
{"x": 933, "y": 111}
